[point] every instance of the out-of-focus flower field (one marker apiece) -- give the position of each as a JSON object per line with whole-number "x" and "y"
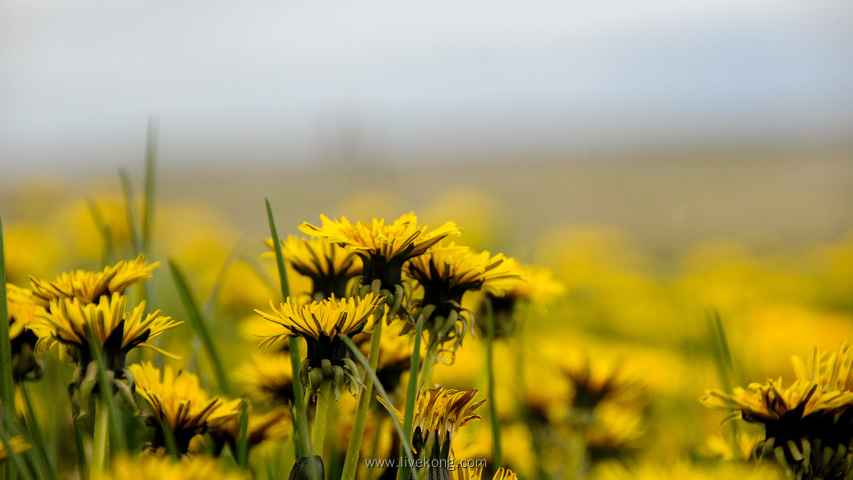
{"x": 596, "y": 357}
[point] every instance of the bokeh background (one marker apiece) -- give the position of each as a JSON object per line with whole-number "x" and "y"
{"x": 662, "y": 158}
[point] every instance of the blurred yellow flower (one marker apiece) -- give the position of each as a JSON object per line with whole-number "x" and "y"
{"x": 146, "y": 467}
{"x": 89, "y": 286}
{"x": 272, "y": 425}
{"x": 29, "y": 250}
{"x": 650, "y": 470}
{"x": 18, "y": 444}
{"x": 267, "y": 378}
{"x": 67, "y": 320}
{"x": 178, "y": 400}
{"x": 21, "y": 310}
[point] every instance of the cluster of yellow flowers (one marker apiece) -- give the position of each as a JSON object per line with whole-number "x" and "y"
{"x": 363, "y": 359}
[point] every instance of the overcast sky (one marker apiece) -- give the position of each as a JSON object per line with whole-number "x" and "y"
{"x": 279, "y": 81}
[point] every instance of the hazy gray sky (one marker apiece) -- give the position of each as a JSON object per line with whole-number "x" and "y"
{"x": 264, "y": 81}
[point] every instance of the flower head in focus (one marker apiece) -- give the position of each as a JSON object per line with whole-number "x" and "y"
{"x": 382, "y": 247}
{"x": 808, "y": 425}
{"x": 327, "y": 264}
{"x": 70, "y": 322}
{"x": 320, "y": 323}
{"x": 88, "y": 287}
{"x": 446, "y": 273}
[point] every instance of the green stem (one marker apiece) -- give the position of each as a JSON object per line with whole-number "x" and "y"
{"x": 382, "y": 393}
{"x": 321, "y": 414}
{"x": 490, "y": 365}
{"x": 35, "y": 433}
{"x": 411, "y": 394}
{"x": 243, "y": 436}
{"x": 428, "y": 367}
{"x": 99, "y": 449}
{"x": 354, "y": 446}
{"x": 301, "y": 441}
{"x": 7, "y": 389}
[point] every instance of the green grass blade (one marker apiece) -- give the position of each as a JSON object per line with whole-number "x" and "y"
{"x": 199, "y": 325}
{"x": 411, "y": 391}
{"x": 243, "y": 436}
{"x": 149, "y": 190}
{"x": 169, "y": 438}
{"x": 301, "y": 436}
{"x": 360, "y": 419}
{"x": 127, "y": 190}
{"x": 404, "y": 441}
{"x": 723, "y": 361}
{"x": 17, "y": 462}
{"x": 35, "y": 434}
{"x": 490, "y": 365}
{"x": 104, "y": 228}
{"x": 106, "y": 394}
{"x": 7, "y": 388}
{"x": 82, "y": 461}
{"x": 279, "y": 257}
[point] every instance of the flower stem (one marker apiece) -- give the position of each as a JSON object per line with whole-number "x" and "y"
{"x": 490, "y": 365}
{"x": 411, "y": 396}
{"x": 430, "y": 359}
{"x": 99, "y": 450}
{"x": 354, "y": 446}
{"x": 321, "y": 414}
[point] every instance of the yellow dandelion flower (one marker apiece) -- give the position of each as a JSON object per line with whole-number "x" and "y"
{"x": 441, "y": 412}
{"x": 614, "y": 431}
{"x": 267, "y": 378}
{"x": 539, "y": 286}
{"x": 178, "y": 400}
{"x": 808, "y": 430}
{"x": 22, "y": 309}
{"x": 460, "y": 473}
{"x": 771, "y": 402}
{"x": 67, "y": 320}
{"x": 319, "y": 323}
{"x": 382, "y": 247}
{"x": 328, "y": 265}
{"x": 18, "y": 444}
{"x": 595, "y": 382}
{"x": 831, "y": 371}
{"x": 448, "y": 271}
{"x": 147, "y": 467}
{"x": 89, "y": 286}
